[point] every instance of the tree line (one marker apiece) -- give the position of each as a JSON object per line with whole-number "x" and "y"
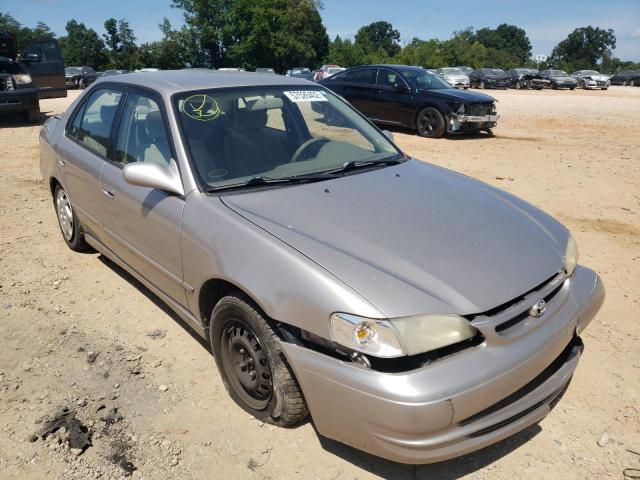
{"x": 282, "y": 34}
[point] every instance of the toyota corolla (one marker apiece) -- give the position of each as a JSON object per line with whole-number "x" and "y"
{"x": 412, "y": 312}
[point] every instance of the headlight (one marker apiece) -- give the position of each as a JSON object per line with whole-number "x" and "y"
{"x": 399, "y": 336}
{"x": 22, "y": 78}
{"x": 571, "y": 255}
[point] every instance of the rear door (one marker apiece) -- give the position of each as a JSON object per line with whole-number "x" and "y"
{"x": 43, "y": 61}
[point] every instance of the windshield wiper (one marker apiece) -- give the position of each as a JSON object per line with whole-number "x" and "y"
{"x": 260, "y": 180}
{"x": 356, "y": 164}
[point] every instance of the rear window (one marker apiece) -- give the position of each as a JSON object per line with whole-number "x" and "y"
{"x": 94, "y": 128}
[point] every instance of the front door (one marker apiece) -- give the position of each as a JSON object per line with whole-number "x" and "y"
{"x": 43, "y": 61}
{"x": 393, "y": 98}
{"x": 144, "y": 223}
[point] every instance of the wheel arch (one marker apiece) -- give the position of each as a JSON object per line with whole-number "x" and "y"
{"x": 422, "y": 106}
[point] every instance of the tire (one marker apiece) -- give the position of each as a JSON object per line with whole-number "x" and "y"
{"x": 32, "y": 116}
{"x": 571, "y": 88}
{"x": 605, "y": 88}
{"x": 430, "y": 123}
{"x": 482, "y": 86}
{"x": 624, "y": 83}
{"x": 70, "y": 227}
{"x": 632, "y": 83}
{"x": 82, "y": 85}
{"x": 252, "y": 366}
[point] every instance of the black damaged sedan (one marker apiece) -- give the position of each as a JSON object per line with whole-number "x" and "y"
{"x": 411, "y": 97}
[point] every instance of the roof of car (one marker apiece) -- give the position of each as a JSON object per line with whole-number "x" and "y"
{"x": 174, "y": 81}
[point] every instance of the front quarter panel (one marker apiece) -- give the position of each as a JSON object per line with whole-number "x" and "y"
{"x": 218, "y": 243}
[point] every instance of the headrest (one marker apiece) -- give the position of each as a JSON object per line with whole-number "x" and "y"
{"x": 108, "y": 113}
{"x": 154, "y": 124}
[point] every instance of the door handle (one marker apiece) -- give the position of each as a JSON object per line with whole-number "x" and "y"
{"x": 108, "y": 191}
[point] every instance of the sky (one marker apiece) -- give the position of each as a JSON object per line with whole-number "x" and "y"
{"x": 546, "y": 22}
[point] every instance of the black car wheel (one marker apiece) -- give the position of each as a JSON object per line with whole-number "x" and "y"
{"x": 482, "y": 84}
{"x": 632, "y": 83}
{"x": 82, "y": 85}
{"x": 430, "y": 123}
{"x": 624, "y": 83}
{"x": 32, "y": 116}
{"x": 252, "y": 365}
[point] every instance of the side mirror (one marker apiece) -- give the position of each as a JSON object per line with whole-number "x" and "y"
{"x": 31, "y": 57}
{"x": 152, "y": 175}
{"x": 388, "y": 134}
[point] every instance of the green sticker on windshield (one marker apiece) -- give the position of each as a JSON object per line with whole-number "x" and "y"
{"x": 201, "y": 107}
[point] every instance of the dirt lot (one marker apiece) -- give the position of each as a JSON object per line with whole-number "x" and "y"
{"x": 79, "y": 332}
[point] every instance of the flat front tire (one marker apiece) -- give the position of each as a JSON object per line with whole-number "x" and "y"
{"x": 430, "y": 123}
{"x": 252, "y": 365}
{"x": 70, "y": 227}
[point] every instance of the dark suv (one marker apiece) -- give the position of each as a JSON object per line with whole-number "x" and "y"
{"x": 37, "y": 73}
{"x": 414, "y": 98}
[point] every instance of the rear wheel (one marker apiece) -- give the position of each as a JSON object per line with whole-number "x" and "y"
{"x": 430, "y": 123}
{"x": 482, "y": 84}
{"x": 251, "y": 363}
{"x": 624, "y": 83}
{"x": 69, "y": 225}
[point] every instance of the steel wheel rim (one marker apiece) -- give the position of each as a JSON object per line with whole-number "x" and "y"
{"x": 428, "y": 122}
{"x": 65, "y": 214}
{"x": 246, "y": 364}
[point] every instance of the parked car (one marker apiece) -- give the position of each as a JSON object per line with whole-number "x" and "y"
{"x": 417, "y": 314}
{"x": 270, "y": 71}
{"x": 625, "y": 78}
{"x": 17, "y": 91}
{"x": 526, "y": 78}
{"x": 559, "y": 79}
{"x": 413, "y": 98}
{"x": 301, "y": 72}
{"x": 454, "y": 77}
{"x": 326, "y": 71}
{"x": 489, "y": 78}
{"x": 42, "y": 60}
{"x": 108, "y": 73}
{"x": 465, "y": 70}
{"x": 79, "y": 77}
{"x": 591, "y": 79}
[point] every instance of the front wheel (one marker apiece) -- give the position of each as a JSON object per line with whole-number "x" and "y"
{"x": 82, "y": 85}
{"x": 70, "y": 227}
{"x": 482, "y": 86}
{"x": 430, "y": 123}
{"x": 252, "y": 366}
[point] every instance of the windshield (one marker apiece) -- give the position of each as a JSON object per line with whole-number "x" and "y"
{"x": 590, "y": 72}
{"x": 234, "y": 135}
{"x": 558, "y": 73}
{"x": 452, "y": 71}
{"x": 423, "y": 80}
{"x": 333, "y": 70}
{"x": 72, "y": 70}
{"x": 301, "y": 70}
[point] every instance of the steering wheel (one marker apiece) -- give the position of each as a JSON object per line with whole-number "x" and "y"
{"x": 305, "y": 145}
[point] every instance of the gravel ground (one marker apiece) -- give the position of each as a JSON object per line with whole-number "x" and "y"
{"x": 81, "y": 334}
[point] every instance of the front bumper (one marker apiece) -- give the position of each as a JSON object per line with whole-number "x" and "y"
{"x": 596, "y": 84}
{"x": 460, "y": 403}
{"x": 72, "y": 82}
{"x": 19, "y": 100}
{"x": 461, "y": 123}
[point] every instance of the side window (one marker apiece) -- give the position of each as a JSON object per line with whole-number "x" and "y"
{"x": 48, "y": 51}
{"x": 142, "y": 136}
{"x": 363, "y": 75}
{"x": 97, "y": 120}
{"x": 73, "y": 127}
{"x": 388, "y": 78}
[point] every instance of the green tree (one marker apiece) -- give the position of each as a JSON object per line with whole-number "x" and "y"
{"x": 275, "y": 33}
{"x": 207, "y": 21}
{"x": 24, "y": 35}
{"x": 121, "y": 42}
{"x": 82, "y": 46}
{"x": 378, "y": 39}
{"x": 583, "y": 48}
{"x": 511, "y": 40}
{"x": 344, "y": 53}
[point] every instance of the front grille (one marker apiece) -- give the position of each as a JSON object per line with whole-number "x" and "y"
{"x": 6, "y": 83}
{"x": 480, "y": 109}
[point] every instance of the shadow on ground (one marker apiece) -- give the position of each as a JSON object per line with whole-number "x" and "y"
{"x": 448, "y": 136}
{"x": 16, "y": 120}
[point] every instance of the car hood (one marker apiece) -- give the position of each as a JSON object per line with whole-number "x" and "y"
{"x": 414, "y": 238}
{"x": 600, "y": 77}
{"x": 458, "y": 95}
